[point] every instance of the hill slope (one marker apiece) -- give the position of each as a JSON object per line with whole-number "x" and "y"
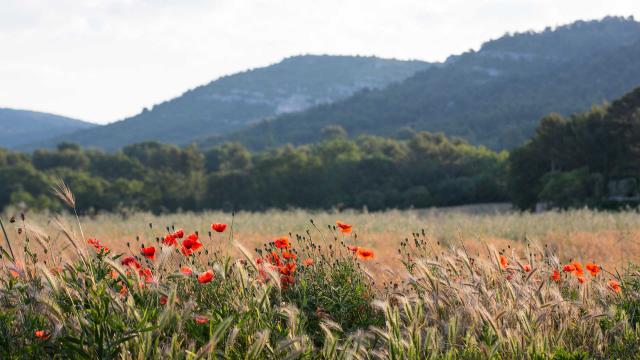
{"x": 235, "y": 101}
{"x": 493, "y": 97}
{"x": 20, "y": 127}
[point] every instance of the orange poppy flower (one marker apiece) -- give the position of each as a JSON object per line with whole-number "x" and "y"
{"x": 615, "y": 286}
{"x": 556, "y": 275}
{"x": 526, "y": 267}
{"x": 344, "y": 227}
{"x": 578, "y": 268}
{"x": 365, "y": 254}
{"x": 148, "y": 252}
{"x": 146, "y": 274}
{"x": 503, "y": 262}
{"x": 206, "y": 277}
{"x": 307, "y": 262}
{"x": 287, "y": 269}
{"x": 288, "y": 255}
{"x": 42, "y": 334}
{"x": 352, "y": 248}
{"x": 123, "y": 291}
{"x": 93, "y": 242}
{"x": 593, "y": 269}
{"x": 186, "y": 270}
{"x": 273, "y": 258}
{"x": 282, "y": 242}
{"x": 581, "y": 279}
{"x": 201, "y": 320}
{"x": 218, "y": 227}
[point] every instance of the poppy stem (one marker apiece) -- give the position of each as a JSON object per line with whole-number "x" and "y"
{"x": 6, "y": 237}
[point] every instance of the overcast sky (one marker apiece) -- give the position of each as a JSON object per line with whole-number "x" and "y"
{"x": 103, "y": 60}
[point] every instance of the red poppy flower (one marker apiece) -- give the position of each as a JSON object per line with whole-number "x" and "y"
{"x": 170, "y": 240}
{"x": 569, "y": 268}
{"x": 259, "y": 261}
{"x": 578, "y": 268}
{"x": 287, "y": 280}
{"x": 503, "y": 262}
{"x": 218, "y": 227}
{"x": 282, "y": 242}
{"x": 148, "y": 252}
{"x": 273, "y": 258}
{"x": 131, "y": 262}
{"x": 288, "y": 255}
{"x": 287, "y": 269}
{"x": 365, "y": 254}
{"x": 352, "y": 248}
{"x": 146, "y": 274}
{"x": 205, "y": 277}
{"x": 201, "y": 320}
{"x": 526, "y": 267}
{"x": 556, "y": 275}
{"x": 190, "y": 244}
{"x": 593, "y": 269}
{"x": 307, "y": 262}
{"x": 581, "y": 279}
{"x": 179, "y": 234}
{"x": 344, "y": 227}
{"x": 186, "y": 270}
{"x": 163, "y": 300}
{"x": 94, "y": 242}
{"x": 42, "y": 334}
{"x": 615, "y": 286}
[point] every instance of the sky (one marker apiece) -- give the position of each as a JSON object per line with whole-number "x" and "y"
{"x": 104, "y": 60}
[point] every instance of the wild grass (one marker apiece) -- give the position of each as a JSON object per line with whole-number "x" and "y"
{"x": 435, "y": 288}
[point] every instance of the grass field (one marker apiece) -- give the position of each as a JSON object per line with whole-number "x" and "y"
{"x": 458, "y": 283}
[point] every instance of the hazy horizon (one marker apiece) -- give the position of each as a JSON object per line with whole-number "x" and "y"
{"x": 102, "y": 62}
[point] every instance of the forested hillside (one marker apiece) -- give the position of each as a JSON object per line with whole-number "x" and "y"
{"x": 19, "y": 127}
{"x": 236, "y": 101}
{"x": 494, "y": 96}
{"x": 591, "y": 158}
{"x": 377, "y": 173}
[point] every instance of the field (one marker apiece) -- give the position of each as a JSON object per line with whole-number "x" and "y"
{"x": 467, "y": 282}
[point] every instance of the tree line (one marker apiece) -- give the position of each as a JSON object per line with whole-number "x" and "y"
{"x": 420, "y": 170}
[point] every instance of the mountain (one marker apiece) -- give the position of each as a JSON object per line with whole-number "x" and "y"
{"x": 494, "y": 96}
{"x": 20, "y": 127}
{"x": 233, "y": 102}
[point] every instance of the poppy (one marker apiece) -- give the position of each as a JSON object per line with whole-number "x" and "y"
{"x": 190, "y": 244}
{"x": 273, "y": 258}
{"x": 42, "y": 334}
{"x": 503, "y": 262}
{"x": 593, "y": 269}
{"x": 569, "y": 268}
{"x": 14, "y": 274}
{"x": 288, "y": 255}
{"x": 131, "y": 262}
{"x": 259, "y": 261}
{"x": 205, "y": 277}
{"x": 186, "y": 270}
{"x": 365, "y": 254}
{"x": 578, "y": 268}
{"x": 170, "y": 240}
{"x": 94, "y": 242}
{"x": 163, "y": 300}
{"x": 179, "y": 234}
{"x": 581, "y": 279}
{"x": 556, "y": 275}
{"x": 146, "y": 274}
{"x": 148, "y": 252}
{"x": 307, "y": 262}
{"x": 201, "y": 320}
{"x": 352, "y": 248}
{"x": 218, "y": 227}
{"x": 344, "y": 227}
{"x": 526, "y": 267}
{"x": 287, "y": 269}
{"x": 287, "y": 280}
{"x": 282, "y": 242}
{"x": 123, "y": 291}
{"x": 615, "y": 286}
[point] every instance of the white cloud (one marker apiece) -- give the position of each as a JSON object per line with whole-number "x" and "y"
{"x": 102, "y": 60}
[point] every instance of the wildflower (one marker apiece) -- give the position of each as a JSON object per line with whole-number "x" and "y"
{"x": 581, "y": 279}
{"x": 14, "y": 274}
{"x": 201, "y": 320}
{"x": 593, "y": 269}
{"x": 148, "y": 252}
{"x": 163, "y": 300}
{"x": 190, "y": 244}
{"x": 556, "y": 275}
{"x": 179, "y": 234}
{"x": 365, "y": 254}
{"x": 259, "y": 261}
{"x": 526, "y": 267}
{"x": 288, "y": 255}
{"x": 503, "y": 262}
{"x": 344, "y": 227}
{"x": 42, "y": 334}
{"x": 569, "y": 268}
{"x": 615, "y": 286}
{"x": 93, "y": 242}
{"x": 218, "y": 227}
{"x": 352, "y": 248}
{"x": 123, "y": 291}
{"x": 146, "y": 274}
{"x": 205, "y": 277}
{"x": 288, "y": 269}
{"x": 307, "y": 262}
{"x": 186, "y": 270}
{"x": 273, "y": 258}
{"x": 282, "y": 242}
{"x": 287, "y": 280}
{"x": 578, "y": 268}
{"x": 170, "y": 240}
{"x": 131, "y": 262}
